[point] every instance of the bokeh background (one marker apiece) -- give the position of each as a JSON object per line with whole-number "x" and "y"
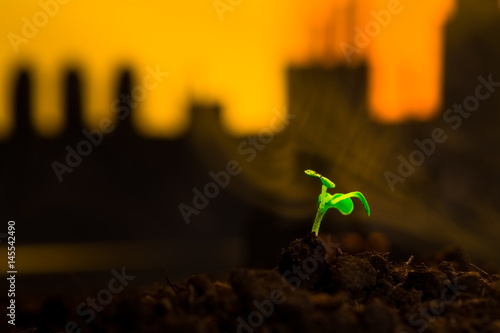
{"x": 339, "y": 86}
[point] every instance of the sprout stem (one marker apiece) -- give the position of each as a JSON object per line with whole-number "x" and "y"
{"x": 317, "y": 220}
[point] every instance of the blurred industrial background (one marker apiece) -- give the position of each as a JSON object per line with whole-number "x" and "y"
{"x": 167, "y": 94}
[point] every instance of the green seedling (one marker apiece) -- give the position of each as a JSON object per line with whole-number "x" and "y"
{"x": 340, "y": 201}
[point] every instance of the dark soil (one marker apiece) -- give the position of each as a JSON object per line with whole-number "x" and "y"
{"x": 314, "y": 288}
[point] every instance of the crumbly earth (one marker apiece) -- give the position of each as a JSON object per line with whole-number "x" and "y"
{"x": 314, "y": 288}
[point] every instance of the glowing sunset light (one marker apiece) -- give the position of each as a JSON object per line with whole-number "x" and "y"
{"x": 236, "y": 56}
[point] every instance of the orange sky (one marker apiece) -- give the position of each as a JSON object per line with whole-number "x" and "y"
{"x": 233, "y": 54}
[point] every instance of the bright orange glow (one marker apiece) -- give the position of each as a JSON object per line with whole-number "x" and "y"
{"x": 406, "y": 62}
{"x": 239, "y": 61}
{"x": 402, "y": 42}
{"x": 236, "y": 61}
